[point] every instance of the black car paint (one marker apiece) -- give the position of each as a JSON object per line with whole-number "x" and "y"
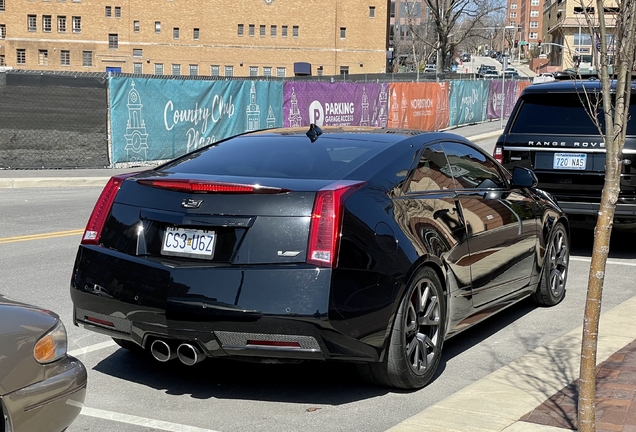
{"x": 348, "y": 309}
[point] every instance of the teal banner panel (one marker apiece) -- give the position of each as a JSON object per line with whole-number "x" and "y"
{"x": 468, "y": 102}
{"x": 157, "y": 119}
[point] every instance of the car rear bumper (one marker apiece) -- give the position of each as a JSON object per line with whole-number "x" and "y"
{"x": 52, "y": 404}
{"x": 584, "y": 214}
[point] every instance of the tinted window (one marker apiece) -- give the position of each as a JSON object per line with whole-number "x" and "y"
{"x": 280, "y": 157}
{"x": 471, "y": 168}
{"x": 558, "y": 113}
{"x": 432, "y": 172}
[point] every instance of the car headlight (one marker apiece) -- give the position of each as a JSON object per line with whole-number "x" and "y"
{"x": 51, "y": 346}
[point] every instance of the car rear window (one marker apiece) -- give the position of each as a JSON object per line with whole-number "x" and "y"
{"x": 560, "y": 114}
{"x": 280, "y": 157}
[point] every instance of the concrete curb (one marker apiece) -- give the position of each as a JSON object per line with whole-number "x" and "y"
{"x": 497, "y": 402}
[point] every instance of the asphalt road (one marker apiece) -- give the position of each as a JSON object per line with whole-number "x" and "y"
{"x": 134, "y": 393}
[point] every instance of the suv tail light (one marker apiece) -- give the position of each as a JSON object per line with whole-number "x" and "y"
{"x": 102, "y": 209}
{"x": 498, "y": 154}
{"x": 326, "y": 222}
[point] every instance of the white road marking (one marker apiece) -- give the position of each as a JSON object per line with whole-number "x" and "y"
{"x": 136, "y": 420}
{"x": 632, "y": 264}
{"x": 91, "y": 348}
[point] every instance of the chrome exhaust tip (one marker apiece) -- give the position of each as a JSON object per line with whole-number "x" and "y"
{"x": 189, "y": 354}
{"x": 161, "y": 351}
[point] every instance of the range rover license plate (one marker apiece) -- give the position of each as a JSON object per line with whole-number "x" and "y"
{"x": 187, "y": 242}
{"x": 569, "y": 161}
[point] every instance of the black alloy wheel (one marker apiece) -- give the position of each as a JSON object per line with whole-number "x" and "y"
{"x": 417, "y": 337}
{"x": 551, "y": 289}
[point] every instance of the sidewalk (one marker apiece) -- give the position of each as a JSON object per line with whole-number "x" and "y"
{"x": 99, "y": 177}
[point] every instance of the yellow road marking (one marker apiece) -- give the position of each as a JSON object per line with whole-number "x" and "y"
{"x": 41, "y": 236}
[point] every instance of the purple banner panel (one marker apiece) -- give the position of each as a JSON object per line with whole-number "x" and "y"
{"x": 335, "y": 104}
{"x": 495, "y": 98}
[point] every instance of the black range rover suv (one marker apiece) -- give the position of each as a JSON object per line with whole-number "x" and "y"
{"x": 551, "y": 133}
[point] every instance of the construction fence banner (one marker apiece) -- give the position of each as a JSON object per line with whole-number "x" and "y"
{"x": 158, "y": 119}
{"x": 468, "y": 102}
{"x": 501, "y": 95}
{"x": 335, "y": 104}
{"x": 422, "y": 106}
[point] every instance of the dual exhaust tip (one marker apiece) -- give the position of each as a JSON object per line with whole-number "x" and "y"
{"x": 187, "y": 353}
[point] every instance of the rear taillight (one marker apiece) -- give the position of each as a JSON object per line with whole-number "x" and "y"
{"x": 102, "y": 209}
{"x": 498, "y": 154}
{"x": 198, "y": 186}
{"x": 326, "y": 222}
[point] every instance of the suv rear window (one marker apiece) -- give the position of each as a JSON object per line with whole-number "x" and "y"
{"x": 560, "y": 114}
{"x": 280, "y": 157}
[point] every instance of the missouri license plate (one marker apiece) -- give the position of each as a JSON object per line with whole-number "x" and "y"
{"x": 569, "y": 161}
{"x": 188, "y": 242}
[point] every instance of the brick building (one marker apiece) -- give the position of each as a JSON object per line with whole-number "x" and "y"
{"x": 196, "y": 37}
{"x": 527, "y": 17}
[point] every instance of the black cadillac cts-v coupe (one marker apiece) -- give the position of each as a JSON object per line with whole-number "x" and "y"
{"x": 364, "y": 245}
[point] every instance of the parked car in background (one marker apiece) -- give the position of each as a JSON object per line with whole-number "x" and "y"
{"x": 510, "y": 75}
{"x": 354, "y": 244}
{"x": 430, "y": 68}
{"x": 509, "y": 69}
{"x": 492, "y": 73}
{"x": 465, "y": 57}
{"x": 483, "y": 68}
{"x": 550, "y": 132}
{"x": 41, "y": 387}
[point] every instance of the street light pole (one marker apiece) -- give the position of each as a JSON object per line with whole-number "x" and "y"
{"x": 503, "y": 75}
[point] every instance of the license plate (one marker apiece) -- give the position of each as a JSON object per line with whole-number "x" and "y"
{"x": 187, "y": 242}
{"x": 569, "y": 161}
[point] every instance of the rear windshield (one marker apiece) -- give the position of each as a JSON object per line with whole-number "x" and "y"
{"x": 560, "y": 114}
{"x": 280, "y": 157}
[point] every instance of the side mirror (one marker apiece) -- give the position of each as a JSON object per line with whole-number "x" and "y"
{"x": 523, "y": 177}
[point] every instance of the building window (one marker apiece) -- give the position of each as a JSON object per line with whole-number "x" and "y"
{"x": 157, "y": 26}
{"x": 283, "y": 31}
{"x": 136, "y": 26}
{"x": 43, "y": 57}
{"x": 47, "y": 23}
{"x": 251, "y": 29}
{"x": 262, "y": 30}
{"x": 113, "y": 41}
{"x": 215, "y": 70}
{"x": 281, "y": 72}
{"x": 267, "y": 71}
{"x": 240, "y": 29}
{"x": 61, "y": 24}
{"x": 20, "y": 56}
{"x": 195, "y": 34}
{"x": 253, "y": 71}
{"x": 229, "y": 71}
{"x": 513, "y": 14}
{"x": 2, "y": 60}
{"x": 32, "y": 22}
{"x": 158, "y": 68}
{"x": 138, "y": 52}
{"x": 176, "y": 69}
{"x": 87, "y": 58}
{"x": 343, "y": 32}
{"x": 77, "y": 24}
{"x": 295, "y": 31}
{"x": 534, "y": 13}
{"x": 109, "y": 12}
{"x": 513, "y": 6}
{"x": 117, "y": 12}
{"x": 138, "y": 68}
{"x": 371, "y": 11}
{"x": 534, "y": 35}
{"x": 344, "y": 70}
{"x": 273, "y": 31}
{"x": 534, "y": 24}
{"x": 175, "y": 33}
{"x": 194, "y": 70}
{"x": 3, "y": 31}
{"x": 534, "y": 2}
{"x": 65, "y": 58}
{"x": 1, "y": 5}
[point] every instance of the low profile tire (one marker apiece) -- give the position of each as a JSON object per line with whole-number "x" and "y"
{"x": 415, "y": 346}
{"x": 128, "y": 345}
{"x": 554, "y": 274}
